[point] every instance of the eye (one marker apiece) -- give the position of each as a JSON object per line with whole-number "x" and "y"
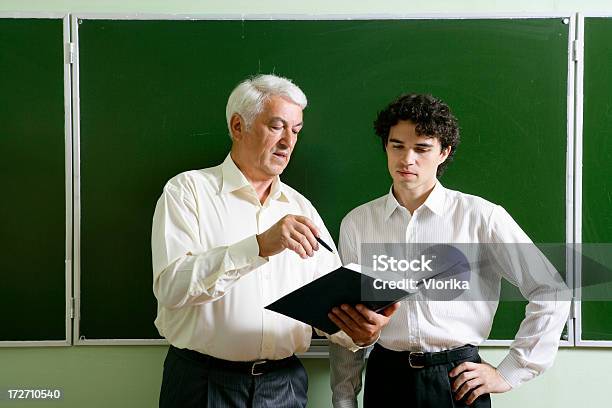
{"x": 397, "y": 147}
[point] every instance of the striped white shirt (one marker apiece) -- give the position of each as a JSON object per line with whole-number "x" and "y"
{"x": 449, "y": 216}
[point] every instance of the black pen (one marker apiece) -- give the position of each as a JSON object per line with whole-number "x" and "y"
{"x": 320, "y": 241}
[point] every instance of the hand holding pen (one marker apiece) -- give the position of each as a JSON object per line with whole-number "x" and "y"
{"x": 294, "y": 232}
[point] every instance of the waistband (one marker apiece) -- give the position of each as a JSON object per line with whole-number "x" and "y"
{"x": 417, "y": 359}
{"x": 254, "y": 368}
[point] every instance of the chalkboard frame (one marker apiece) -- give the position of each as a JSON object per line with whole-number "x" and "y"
{"x": 319, "y": 346}
{"x": 67, "y": 78}
{"x": 78, "y": 339}
{"x": 580, "y": 44}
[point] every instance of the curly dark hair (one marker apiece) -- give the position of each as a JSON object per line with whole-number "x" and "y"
{"x": 431, "y": 116}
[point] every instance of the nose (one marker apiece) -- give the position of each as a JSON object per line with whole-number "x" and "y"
{"x": 288, "y": 139}
{"x": 409, "y": 157}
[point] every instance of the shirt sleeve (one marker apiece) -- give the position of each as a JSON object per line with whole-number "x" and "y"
{"x": 346, "y": 369}
{"x": 535, "y": 345}
{"x": 184, "y": 273}
{"x": 346, "y": 362}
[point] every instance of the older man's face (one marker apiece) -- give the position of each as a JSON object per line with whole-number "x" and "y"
{"x": 267, "y": 145}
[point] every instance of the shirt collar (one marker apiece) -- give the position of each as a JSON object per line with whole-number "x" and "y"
{"x": 233, "y": 180}
{"x": 391, "y": 204}
{"x": 435, "y": 201}
{"x": 278, "y": 191}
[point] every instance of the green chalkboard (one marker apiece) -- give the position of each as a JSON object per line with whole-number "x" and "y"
{"x": 596, "y": 182}
{"x": 32, "y": 176}
{"x": 153, "y": 97}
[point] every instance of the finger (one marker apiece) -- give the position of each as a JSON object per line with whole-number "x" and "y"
{"x": 311, "y": 226}
{"x": 338, "y": 322}
{"x": 307, "y": 233}
{"x": 369, "y": 315}
{"x": 296, "y": 247}
{"x": 475, "y": 394}
{"x": 307, "y": 244}
{"x": 387, "y": 312}
{"x": 303, "y": 241}
{"x": 465, "y": 388}
{"x": 459, "y": 381}
{"x": 347, "y": 320}
{"x": 468, "y": 365}
{"x": 357, "y": 315}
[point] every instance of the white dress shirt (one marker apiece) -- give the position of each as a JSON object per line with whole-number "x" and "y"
{"x": 449, "y": 216}
{"x": 211, "y": 284}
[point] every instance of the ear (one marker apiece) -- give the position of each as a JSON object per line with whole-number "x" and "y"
{"x": 237, "y": 127}
{"x": 444, "y": 154}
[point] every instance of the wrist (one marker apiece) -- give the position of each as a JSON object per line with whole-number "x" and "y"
{"x": 369, "y": 342}
{"x": 260, "y": 246}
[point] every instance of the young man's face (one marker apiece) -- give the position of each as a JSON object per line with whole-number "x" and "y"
{"x": 267, "y": 145}
{"x": 413, "y": 160}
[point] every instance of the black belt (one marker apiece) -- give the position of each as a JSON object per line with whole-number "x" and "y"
{"x": 417, "y": 359}
{"x": 258, "y": 367}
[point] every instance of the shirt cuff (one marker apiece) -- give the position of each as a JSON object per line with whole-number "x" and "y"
{"x": 244, "y": 253}
{"x": 344, "y": 340}
{"x": 514, "y": 372}
{"x": 371, "y": 344}
{"x": 345, "y": 403}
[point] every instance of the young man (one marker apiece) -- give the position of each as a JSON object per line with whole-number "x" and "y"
{"x": 227, "y": 241}
{"x": 427, "y": 356}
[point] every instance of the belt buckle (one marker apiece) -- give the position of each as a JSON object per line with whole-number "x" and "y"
{"x": 415, "y": 353}
{"x": 255, "y": 364}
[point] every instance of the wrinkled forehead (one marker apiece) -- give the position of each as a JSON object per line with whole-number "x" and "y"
{"x": 282, "y": 109}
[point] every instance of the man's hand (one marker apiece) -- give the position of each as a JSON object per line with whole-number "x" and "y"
{"x": 292, "y": 232}
{"x": 479, "y": 378}
{"x": 360, "y": 323}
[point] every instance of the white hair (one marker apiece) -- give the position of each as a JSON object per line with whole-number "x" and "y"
{"x": 248, "y": 98}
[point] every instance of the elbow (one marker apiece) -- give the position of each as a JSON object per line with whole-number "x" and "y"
{"x": 174, "y": 294}
{"x": 166, "y": 298}
{"x": 169, "y": 290}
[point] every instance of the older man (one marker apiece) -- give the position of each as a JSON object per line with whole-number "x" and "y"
{"x": 220, "y": 238}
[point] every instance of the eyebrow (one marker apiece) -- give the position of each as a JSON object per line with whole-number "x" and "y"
{"x": 417, "y": 144}
{"x": 278, "y": 118}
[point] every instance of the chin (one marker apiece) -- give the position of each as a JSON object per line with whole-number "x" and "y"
{"x": 407, "y": 184}
{"x": 274, "y": 171}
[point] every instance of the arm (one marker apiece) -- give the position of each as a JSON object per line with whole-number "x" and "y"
{"x": 535, "y": 344}
{"x": 184, "y": 274}
{"x": 346, "y": 368}
{"x": 537, "y": 340}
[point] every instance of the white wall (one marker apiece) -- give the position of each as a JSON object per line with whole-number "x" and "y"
{"x": 310, "y": 6}
{"x": 580, "y": 377}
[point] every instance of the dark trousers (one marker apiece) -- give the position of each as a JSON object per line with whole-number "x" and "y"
{"x": 390, "y": 382}
{"x": 190, "y": 382}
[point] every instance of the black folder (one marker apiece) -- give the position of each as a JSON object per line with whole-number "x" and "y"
{"x": 311, "y": 303}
